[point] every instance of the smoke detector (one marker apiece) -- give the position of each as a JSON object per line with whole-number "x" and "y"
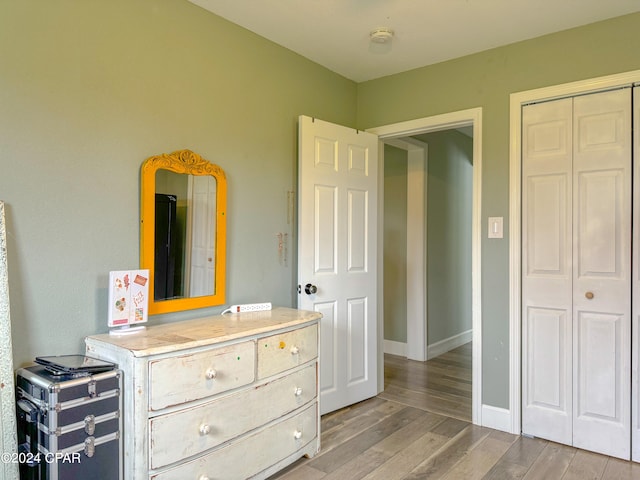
{"x": 381, "y": 35}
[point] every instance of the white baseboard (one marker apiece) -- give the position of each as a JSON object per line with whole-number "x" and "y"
{"x": 443, "y": 346}
{"x": 395, "y": 348}
{"x": 496, "y": 418}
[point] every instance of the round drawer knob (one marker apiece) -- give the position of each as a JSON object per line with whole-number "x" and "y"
{"x": 589, "y": 295}
{"x": 205, "y": 429}
{"x": 297, "y": 434}
{"x": 211, "y": 373}
{"x": 295, "y": 350}
{"x": 298, "y": 391}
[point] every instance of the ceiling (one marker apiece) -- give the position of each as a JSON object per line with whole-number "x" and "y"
{"x": 335, "y": 33}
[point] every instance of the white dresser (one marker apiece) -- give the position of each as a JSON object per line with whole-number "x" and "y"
{"x": 223, "y": 397}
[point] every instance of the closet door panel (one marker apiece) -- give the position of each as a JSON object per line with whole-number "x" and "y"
{"x": 602, "y": 272}
{"x": 548, "y": 330}
{"x": 547, "y": 227}
{"x": 598, "y": 367}
{"x": 547, "y": 271}
{"x": 602, "y": 201}
{"x": 601, "y": 398}
{"x": 602, "y": 401}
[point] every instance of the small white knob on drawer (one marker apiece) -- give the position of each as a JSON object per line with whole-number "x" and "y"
{"x": 297, "y": 392}
{"x": 205, "y": 429}
{"x": 211, "y": 373}
{"x": 203, "y": 477}
{"x": 297, "y": 434}
{"x": 295, "y": 350}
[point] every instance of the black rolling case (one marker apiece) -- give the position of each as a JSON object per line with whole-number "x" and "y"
{"x": 69, "y": 426}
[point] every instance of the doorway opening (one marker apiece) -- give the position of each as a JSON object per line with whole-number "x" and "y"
{"x": 427, "y": 270}
{"x": 410, "y": 137}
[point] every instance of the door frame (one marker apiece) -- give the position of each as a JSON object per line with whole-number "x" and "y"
{"x": 447, "y": 121}
{"x": 516, "y": 101}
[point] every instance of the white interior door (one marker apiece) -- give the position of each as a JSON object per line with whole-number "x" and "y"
{"x": 577, "y": 271}
{"x": 202, "y": 210}
{"x": 337, "y": 254}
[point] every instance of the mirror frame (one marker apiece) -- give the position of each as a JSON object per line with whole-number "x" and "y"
{"x": 190, "y": 163}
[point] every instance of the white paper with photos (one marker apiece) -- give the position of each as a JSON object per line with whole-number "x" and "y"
{"x": 128, "y": 297}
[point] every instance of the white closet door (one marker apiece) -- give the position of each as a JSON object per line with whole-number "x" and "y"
{"x": 635, "y": 318}
{"x": 602, "y": 273}
{"x": 576, "y": 276}
{"x": 546, "y": 270}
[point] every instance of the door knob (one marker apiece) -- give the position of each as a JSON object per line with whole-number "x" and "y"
{"x": 310, "y": 289}
{"x": 589, "y": 295}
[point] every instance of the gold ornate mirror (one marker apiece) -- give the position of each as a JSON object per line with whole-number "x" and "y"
{"x": 183, "y": 231}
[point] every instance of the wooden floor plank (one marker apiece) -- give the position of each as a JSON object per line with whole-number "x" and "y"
{"x": 365, "y": 439}
{"x": 617, "y": 469}
{"x": 408, "y": 434}
{"x": 341, "y": 433}
{"x": 344, "y": 415}
{"x": 552, "y": 462}
{"x": 401, "y": 464}
{"x": 358, "y": 467}
{"x": 506, "y": 471}
{"x": 586, "y": 466}
{"x": 431, "y": 401}
{"x": 517, "y": 461}
{"x": 481, "y": 458}
{"x": 437, "y": 465}
{"x": 299, "y": 472}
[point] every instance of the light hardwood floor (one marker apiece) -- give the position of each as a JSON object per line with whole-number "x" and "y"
{"x": 420, "y": 428}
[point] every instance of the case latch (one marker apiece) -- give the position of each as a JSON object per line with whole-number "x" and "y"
{"x": 91, "y": 387}
{"x": 89, "y": 446}
{"x": 90, "y": 424}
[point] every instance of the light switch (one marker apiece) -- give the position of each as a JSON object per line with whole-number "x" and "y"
{"x": 495, "y": 227}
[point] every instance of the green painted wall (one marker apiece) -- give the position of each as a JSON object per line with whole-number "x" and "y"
{"x": 88, "y": 91}
{"x": 395, "y": 244}
{"x": 485, "y": 80}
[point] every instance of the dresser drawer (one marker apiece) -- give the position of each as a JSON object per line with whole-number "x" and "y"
{"x": 181, "y": 434}
{"x": 281, "y": 352}
{"x": 184, "y": 378}
{"x": 251, "y": 454}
